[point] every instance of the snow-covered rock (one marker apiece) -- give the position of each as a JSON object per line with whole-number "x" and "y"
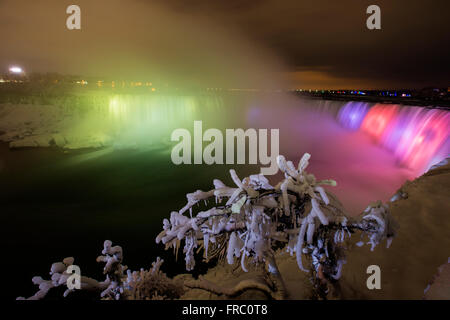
{"x": 439, "y": 288}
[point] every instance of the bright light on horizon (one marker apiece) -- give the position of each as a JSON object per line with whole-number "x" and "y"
{"x": 15, "y": 70}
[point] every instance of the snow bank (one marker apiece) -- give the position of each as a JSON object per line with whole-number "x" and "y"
{"x": 420, "y": 247}
{"x": 30, "y": 125}
{"x": 439, "y": 288}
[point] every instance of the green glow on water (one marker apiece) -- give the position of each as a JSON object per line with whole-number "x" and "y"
{"x": 142, "y": 120}
{"x": 159, "y": 110}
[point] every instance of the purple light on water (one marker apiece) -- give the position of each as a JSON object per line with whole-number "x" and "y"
{"x": 352, "y": 114}
{"x": 401, "y": 130}
{"x": 431, "y": 137}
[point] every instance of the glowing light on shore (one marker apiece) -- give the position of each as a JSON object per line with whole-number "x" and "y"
{"x": 16, "y": 70}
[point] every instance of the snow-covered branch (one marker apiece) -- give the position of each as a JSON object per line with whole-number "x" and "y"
{"x": 253, "y": 218}
{"x": 120, "y": 283}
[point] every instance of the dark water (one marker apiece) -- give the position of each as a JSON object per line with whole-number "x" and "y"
{"x": 55, "y": 205}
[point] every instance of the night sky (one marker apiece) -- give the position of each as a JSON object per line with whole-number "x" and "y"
{"x": 258, "y": 43}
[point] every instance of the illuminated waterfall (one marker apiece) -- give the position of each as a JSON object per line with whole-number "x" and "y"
{"x": 419, "y": 137}
{"x": 149, "y": 119}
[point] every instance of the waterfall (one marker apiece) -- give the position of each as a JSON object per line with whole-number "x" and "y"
{"x": 418, "y": 136}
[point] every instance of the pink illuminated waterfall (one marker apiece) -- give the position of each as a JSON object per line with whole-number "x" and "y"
{"x": 419, "y": 137}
